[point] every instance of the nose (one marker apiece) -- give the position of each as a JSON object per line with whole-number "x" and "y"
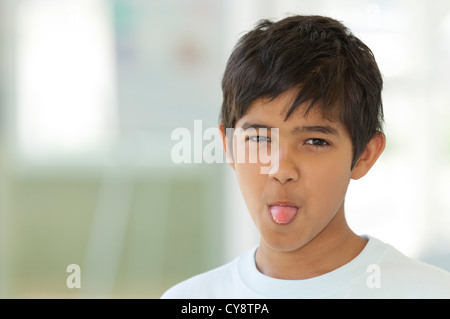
{"x": 284, "y": 169}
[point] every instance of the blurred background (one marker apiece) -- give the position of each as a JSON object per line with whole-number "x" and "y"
{"x": 90, "y": 91}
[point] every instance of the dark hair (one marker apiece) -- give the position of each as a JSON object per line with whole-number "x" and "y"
{"x": 331, "y": 67}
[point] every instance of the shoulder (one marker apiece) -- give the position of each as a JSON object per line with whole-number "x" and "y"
{"x": 411, "y": 278}
{"x": 205, "y": 285}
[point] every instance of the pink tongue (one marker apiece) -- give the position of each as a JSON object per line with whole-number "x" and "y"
{"x": 282, "y": 214}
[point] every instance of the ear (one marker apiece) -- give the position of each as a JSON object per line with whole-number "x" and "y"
{"x": 226, "y": 143}
{"x": 370, "y": 155}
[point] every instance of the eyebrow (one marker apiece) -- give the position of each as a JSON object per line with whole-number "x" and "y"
{"x": 324, "y": 129}
{"x": 248, "y": 125}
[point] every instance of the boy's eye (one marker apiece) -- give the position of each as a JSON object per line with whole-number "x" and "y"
{"x": 258, "y": 138}
{"x": 317, "y": 142}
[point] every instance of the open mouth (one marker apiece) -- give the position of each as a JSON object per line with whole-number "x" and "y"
{"x": 282, "y": 213}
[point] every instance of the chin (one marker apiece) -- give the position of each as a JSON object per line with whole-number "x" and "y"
{"x": 284, "y": 242}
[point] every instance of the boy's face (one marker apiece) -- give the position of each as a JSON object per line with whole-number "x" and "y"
{"x": 305, "y": 188}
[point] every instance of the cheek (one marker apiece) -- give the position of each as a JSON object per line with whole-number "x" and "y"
{"x": 249, "y": 175}
{"x": 329, "y": 182}
{"x": 251, "y": 183}
{"x": 248, "y": 172}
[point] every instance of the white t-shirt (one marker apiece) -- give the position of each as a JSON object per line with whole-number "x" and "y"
{"x": 379, "y": 271}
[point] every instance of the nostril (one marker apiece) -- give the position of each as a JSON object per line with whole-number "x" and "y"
{"x": 284, "y": 173}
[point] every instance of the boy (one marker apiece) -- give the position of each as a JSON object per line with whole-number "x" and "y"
{"x": 311, "y": 79}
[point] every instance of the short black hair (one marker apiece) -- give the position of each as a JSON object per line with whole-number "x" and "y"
{"x": 331, "y": 68}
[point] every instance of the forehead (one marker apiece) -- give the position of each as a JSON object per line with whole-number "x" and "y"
{"x": 272, "y": 113}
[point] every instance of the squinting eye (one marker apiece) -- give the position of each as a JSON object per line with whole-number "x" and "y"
{"x": 259, "y": 138}
{"x": 317, "y": 142}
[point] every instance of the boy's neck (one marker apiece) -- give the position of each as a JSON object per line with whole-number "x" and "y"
{"x": 332, "y": 248}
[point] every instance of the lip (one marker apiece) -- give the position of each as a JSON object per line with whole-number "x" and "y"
{"x": 282, "y": 204}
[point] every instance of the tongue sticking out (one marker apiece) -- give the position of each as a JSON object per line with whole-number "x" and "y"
{"x": 282, "y": 214}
